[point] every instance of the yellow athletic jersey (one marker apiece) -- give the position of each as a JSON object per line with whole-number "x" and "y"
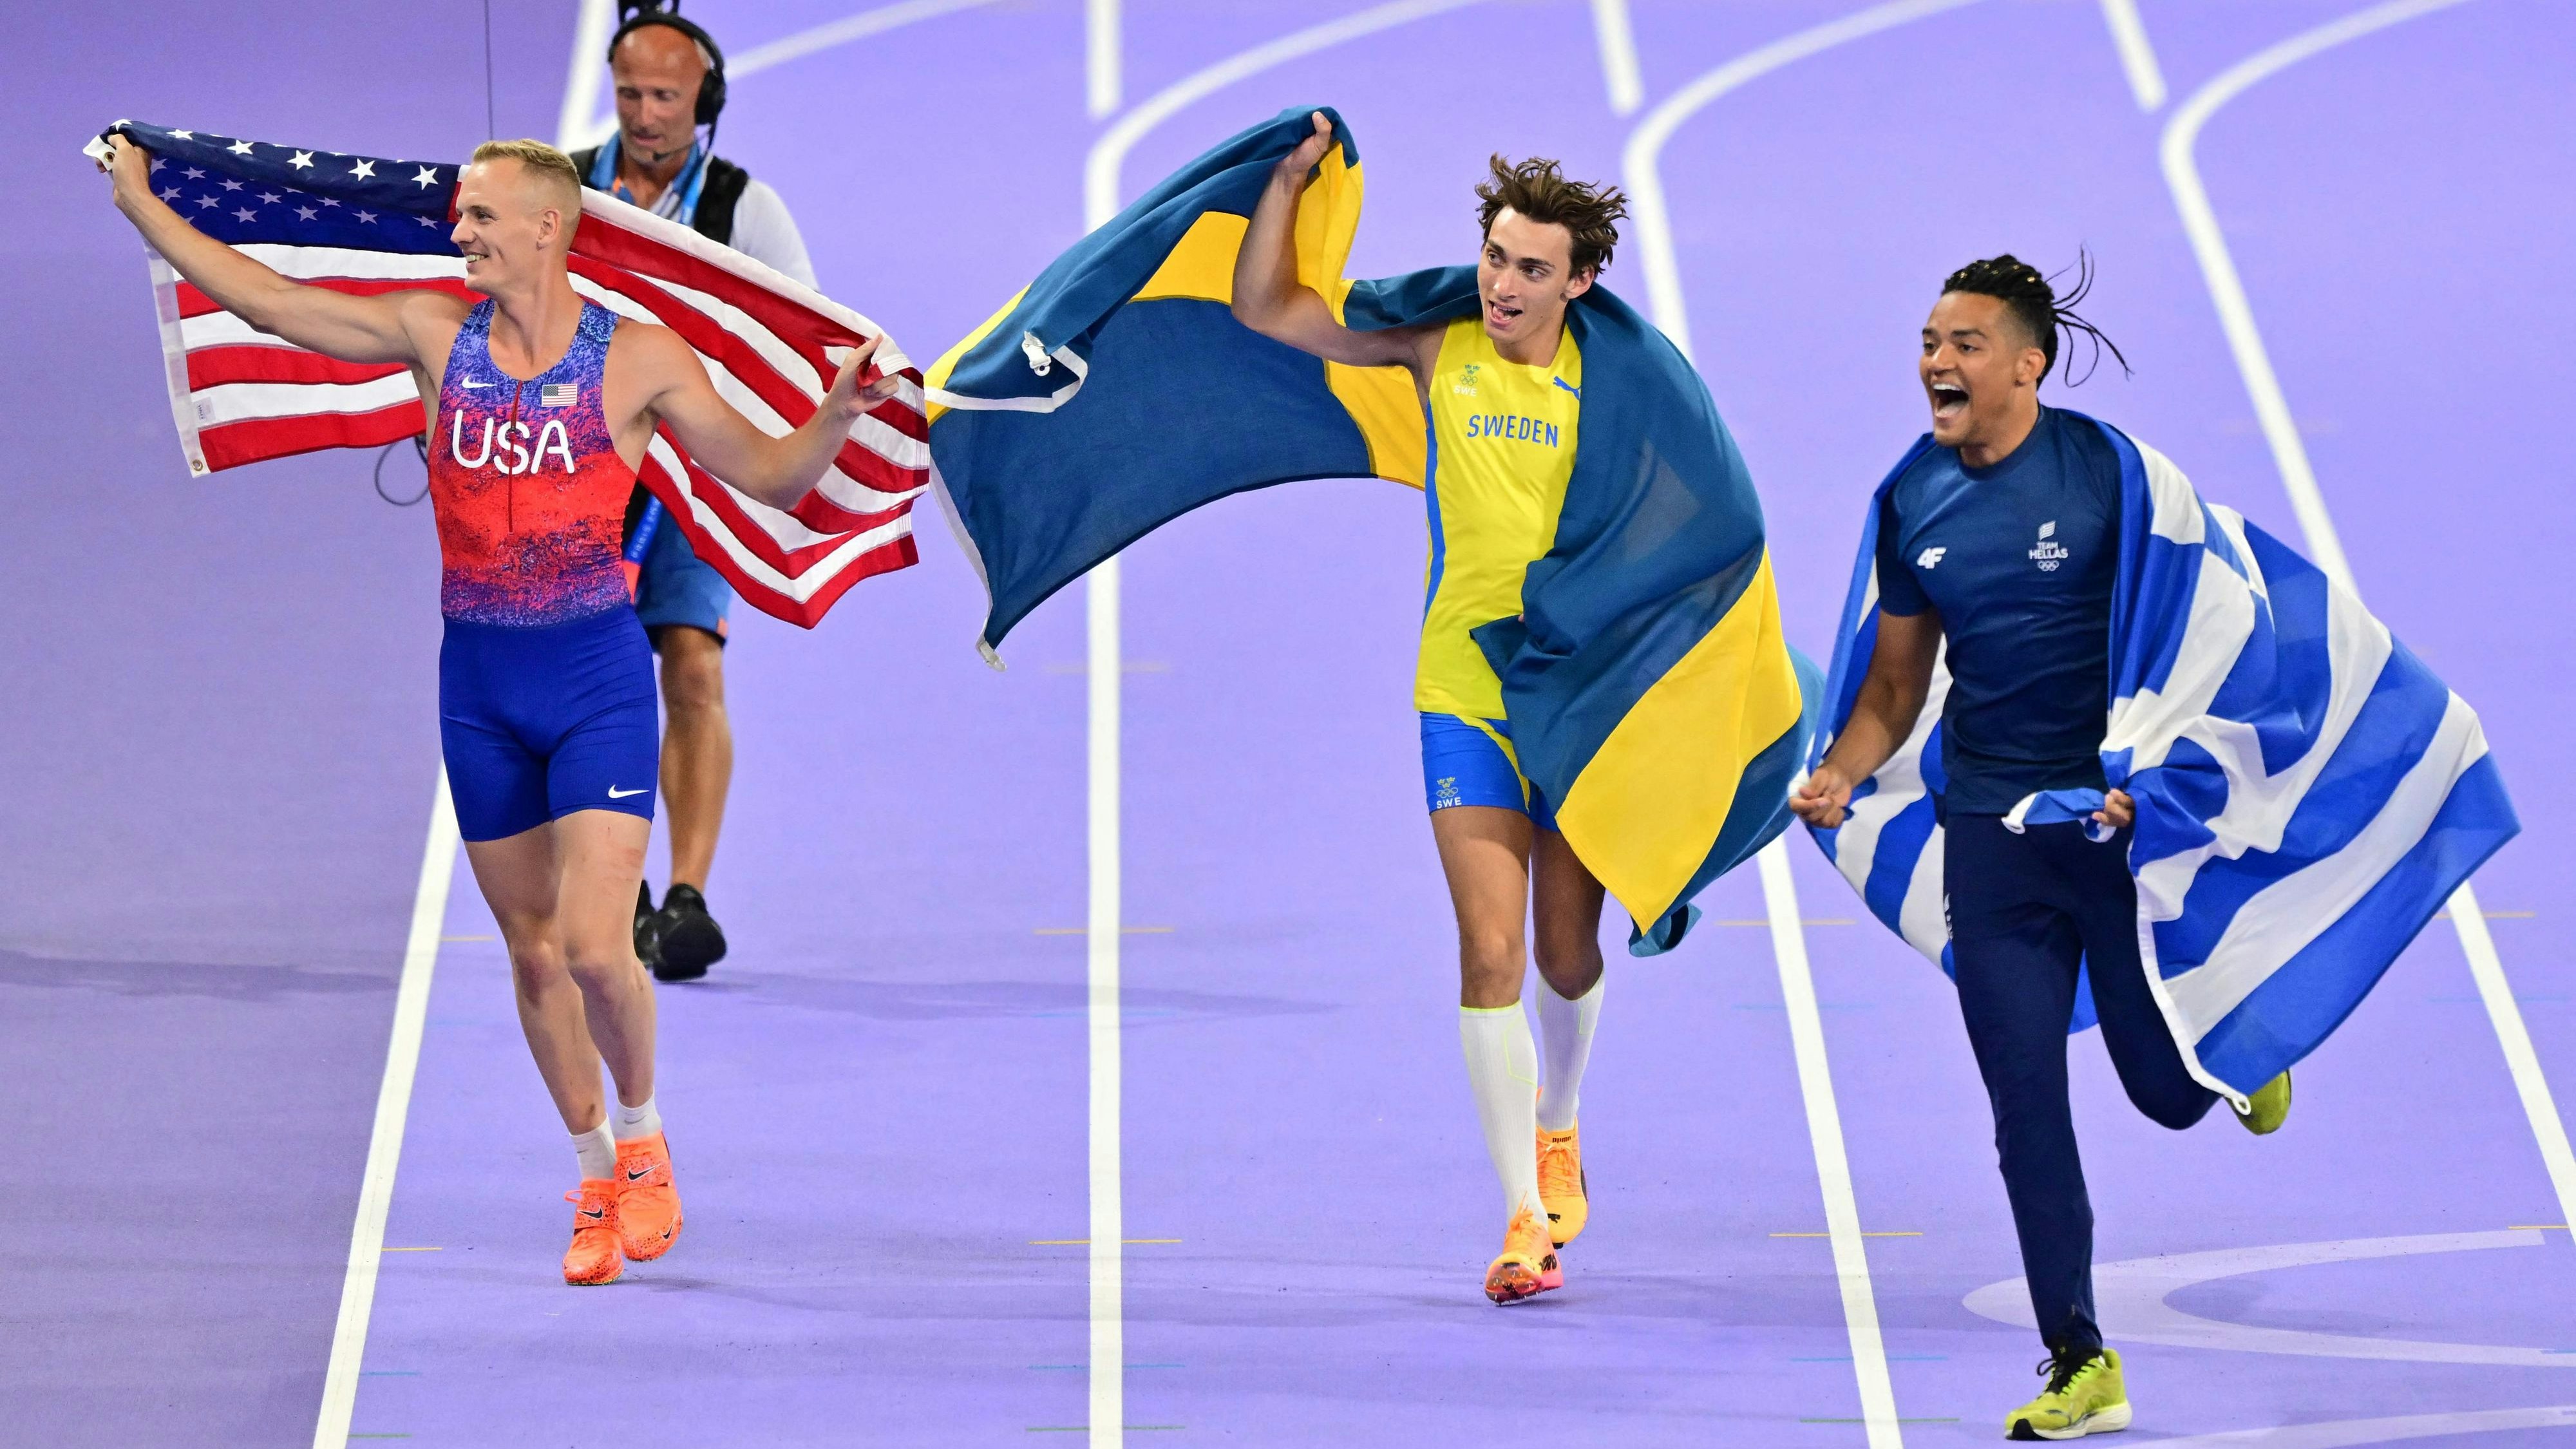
{"x": 1502, "y": 448}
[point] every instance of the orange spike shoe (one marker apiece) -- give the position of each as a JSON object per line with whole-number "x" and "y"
{"x": 1527, "y": 1266}
{"x": 1562, "y": 1187}
{"x": 594, "y": 1257}
{"x": 648, "y": 1203}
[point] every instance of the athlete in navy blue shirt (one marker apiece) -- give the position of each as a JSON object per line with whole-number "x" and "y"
{"x": 2018, "y": 558}
{"x": 2003, "y": 536}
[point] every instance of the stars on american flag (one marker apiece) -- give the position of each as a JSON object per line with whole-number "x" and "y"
{"x": 230, "y": 184}
{"x": 170, "y": 194}
{"x": 301, "y": 160}
{"x": 246, "y": 214}
{"x": 208, "y": 201}
{"x": 193, "y": 173}
{"x": 270, "y": 198}
{"x": 239, "y": 148}
{"x": 428, "y": 220}
{"x": 364, "y": 168}
{"x": 185, "y": 135}
{"x": 306, "y": 213}
{"x": 368, "y": 217}
{"x": 427, "y": 178}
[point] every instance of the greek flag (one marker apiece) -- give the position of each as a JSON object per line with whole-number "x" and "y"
{"x": 2308, "y": 793}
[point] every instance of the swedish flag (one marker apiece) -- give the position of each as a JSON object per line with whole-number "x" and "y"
{"x": 1650, "y": 692}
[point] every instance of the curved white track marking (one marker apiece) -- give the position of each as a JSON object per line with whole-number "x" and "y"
{"x": 1109, "y": 153}
{"x": 1640, "y": 168}
{"x": 2131, "y": 1297}
{"x": 2137, "y": 57}
{"x": 1104, "y": 664}
{"x": 2290, "y": 455}
{"x": 2344, "y": 1433}
{"x": 393, "y": 1107}
{"x": 1617, "y": 41}
{"x": 1640, "y": 165}
{"x": 841, "y": 32}
{"x": 1825, "y": 1137}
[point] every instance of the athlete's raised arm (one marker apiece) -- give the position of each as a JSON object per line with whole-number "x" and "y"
{"x": 1883, "y": 714}
{"x": 353, "y": 329}
{"x": 1269, "y": 299}
{"x": 777, "y": 471}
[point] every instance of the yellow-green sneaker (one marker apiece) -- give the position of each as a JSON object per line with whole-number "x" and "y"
{"x": 2268, "y": 1108}
{"x": 2082, "y": 1398}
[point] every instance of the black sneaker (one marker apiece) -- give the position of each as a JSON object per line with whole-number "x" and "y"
{"x": 648, "y": 943}
{"x": 690, "y": 940}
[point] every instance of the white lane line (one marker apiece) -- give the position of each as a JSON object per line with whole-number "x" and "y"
{"x": 1833, "y": 1166}
{"x": 574, "y": 126}
{"x": 2307, "y": 501}
{"x": 1104, "y": 73}
{"x": 1641, "y": 173}
{"x": 2131, "y": 1296}
{"x": 2137, "y": 57}
{"x": 393, "y": 1106}
{"x": 1109, "y": 153}
{"x": 1107, "y": 1366}
{"x": 1617, "y": 41}
{"x": 1640, "y": 166}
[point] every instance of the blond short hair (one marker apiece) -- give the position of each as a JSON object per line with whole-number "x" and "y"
{"x": 545, "y": 163}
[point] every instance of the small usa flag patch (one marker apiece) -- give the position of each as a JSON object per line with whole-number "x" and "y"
{"x": 558, "y": 395}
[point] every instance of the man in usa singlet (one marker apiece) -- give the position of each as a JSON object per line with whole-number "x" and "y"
{"x": 1502, "y": 396}
{"x": 539, "y": 406}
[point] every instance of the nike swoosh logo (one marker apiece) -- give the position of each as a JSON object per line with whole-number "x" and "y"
{"x": 639, "y": 1176}
{"x": 469, "y": 382}
{"x": 616, "y": 794}
{"x": 600, "y": 1216}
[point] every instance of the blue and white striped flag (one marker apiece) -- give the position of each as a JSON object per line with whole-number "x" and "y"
{"x": 2308, "y": 793}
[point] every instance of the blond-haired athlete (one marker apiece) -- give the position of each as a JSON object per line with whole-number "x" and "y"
{"x": 539, "y": 407}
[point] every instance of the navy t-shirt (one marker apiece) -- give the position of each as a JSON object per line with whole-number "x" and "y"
{"x": 2019, "y": 559}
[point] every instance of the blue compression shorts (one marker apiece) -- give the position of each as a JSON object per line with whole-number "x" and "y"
{"x": 1470, "y": 762}
{"x": 676, "y": 586}
{"x": 538, "y": 722}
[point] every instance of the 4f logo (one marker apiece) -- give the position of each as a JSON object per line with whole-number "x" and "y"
{"x": 1930, "y": 558}
{"x": 2049, "y": 553}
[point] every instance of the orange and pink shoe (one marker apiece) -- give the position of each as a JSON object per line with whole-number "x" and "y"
{"x": 648, "y": 1203}
{"x": 595, "y": 1256}
{"x": 1562, "y": 1188}
{"x": 1527, "y": 1266}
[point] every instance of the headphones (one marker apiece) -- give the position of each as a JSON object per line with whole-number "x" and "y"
{"x": 640, "y": 13}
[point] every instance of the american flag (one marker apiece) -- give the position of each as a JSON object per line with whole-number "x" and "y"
{"x": 364, "y": 224}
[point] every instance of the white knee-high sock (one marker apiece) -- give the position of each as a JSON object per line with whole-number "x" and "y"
{"x": 1502, "y": 1071}
{"x": 597, "y": 1151}
{"x": 1566, "y": 1027}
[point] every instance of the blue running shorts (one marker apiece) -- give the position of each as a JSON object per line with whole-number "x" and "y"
{"x": 1470, "y": 762}
{"x": 539, "y": 721}
{"x": 678, "y": 587}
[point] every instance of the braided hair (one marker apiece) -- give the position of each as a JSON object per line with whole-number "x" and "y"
{"x": 2035, "y": 304}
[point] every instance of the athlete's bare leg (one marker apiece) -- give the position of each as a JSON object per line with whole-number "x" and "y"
{"x": 1485, "y": 853}
{"x": 1566, "y": 905}
{"x": 564, "y": 895}
{"x": 697, "y": 749}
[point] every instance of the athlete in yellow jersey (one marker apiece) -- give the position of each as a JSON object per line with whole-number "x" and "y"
{"x": 1502, "y": 393}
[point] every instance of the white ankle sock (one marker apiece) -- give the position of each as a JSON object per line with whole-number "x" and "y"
{"x": 1566, "y": 1027}
{"x": 598, "y": 1153}
{"x": 634, "y": 1122}
{"x": 1502, "y": 1071}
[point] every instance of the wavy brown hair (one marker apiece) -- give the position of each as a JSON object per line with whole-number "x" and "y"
{"x": 1537, "y": 189}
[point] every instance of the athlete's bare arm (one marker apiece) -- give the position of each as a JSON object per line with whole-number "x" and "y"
{"x": 390, "y": 327}
{"x": 1891, "y": 698}
{"x": 666, "y": 381}
{"x": 1269, "y": 299}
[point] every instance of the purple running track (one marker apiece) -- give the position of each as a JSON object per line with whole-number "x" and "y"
{"x": 877, "y": 1104}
